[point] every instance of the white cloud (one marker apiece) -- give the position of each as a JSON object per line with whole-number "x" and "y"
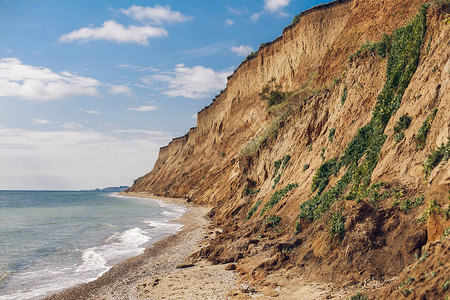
{"x": 242, "y": 50}
{"x": 21, "y": 81}
{"x": 137, "y": 68}
{"x": 237, "y": 11}
{"x": 120, "y": 89}
{"x": 255, "y": 17}
{"x": 68, "y": 159}
{"x": 112, "y": 31}
{"x": 90, "y": 111}
{"x": 26, "y": 82}
{"x": 275, "y": 5}
{"x": 41, "y": 121}
{"x": 229, "y": 22}
{"x": 72, "y": 126}
{"x": 143, "y": 108}
{"x": 157, "y": 14}
{"x": 196, "y": 82}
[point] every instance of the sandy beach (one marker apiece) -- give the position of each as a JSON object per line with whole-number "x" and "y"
{"x": 163, "y": 271}
{"x": 166, "y": 271}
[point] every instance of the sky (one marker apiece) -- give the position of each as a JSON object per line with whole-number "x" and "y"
{"x": 90, "y": 90}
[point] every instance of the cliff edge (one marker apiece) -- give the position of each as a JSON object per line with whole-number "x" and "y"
{"x": 327, "y": 154}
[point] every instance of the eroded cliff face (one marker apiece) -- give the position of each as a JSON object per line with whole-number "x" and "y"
{"x": 369, "y": 230}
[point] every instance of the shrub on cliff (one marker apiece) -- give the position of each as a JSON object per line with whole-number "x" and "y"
{"x": 277, "y": 196}
{"x": 422, "y": 134}
{"x": 438, "y": 155}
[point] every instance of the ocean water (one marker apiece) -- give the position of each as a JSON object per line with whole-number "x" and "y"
{"x": 50, "y": 241}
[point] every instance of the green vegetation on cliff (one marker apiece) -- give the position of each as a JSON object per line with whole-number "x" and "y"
{"x": 361, "y": 155}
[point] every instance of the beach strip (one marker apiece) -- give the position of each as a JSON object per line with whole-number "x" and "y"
{"x": 154, "y": 274}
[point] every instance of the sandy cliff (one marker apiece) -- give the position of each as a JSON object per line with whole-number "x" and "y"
{"x": 346, "y": 191}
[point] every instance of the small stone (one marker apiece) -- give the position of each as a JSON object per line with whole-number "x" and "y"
{"x": 185, "y": 264}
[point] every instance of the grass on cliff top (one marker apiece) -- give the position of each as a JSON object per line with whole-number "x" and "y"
{"x": 361, "y": 155}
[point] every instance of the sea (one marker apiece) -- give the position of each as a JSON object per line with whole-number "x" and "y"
{"x": 52, "y": 240}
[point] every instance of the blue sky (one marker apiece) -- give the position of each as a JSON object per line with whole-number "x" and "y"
{"x": 89, "y": 90}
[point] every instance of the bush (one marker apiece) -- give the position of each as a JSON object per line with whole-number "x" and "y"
{"x": 409, "y": 204}
{"x": 398, "y": 137}
{"x": 376, "y": 48}
{"x": 405, "y": 288}
{"x": 305, "y": 167}
{"x": 433, "y": 209}
{"x": 422, "y": 134}
{"x": 252, "y": 54}
{"x": 344, "y": 95}
{"x": 276, "y": 180}
{"x": 322, "y": 152}
{"x": 320, "y": 179}
{"x": 402, "y": 124}
{"x": 331, "y": 134}
{"x": 446, "y": 285}
{"x": 273, "y": 220}
{"x": 276, "y": 97}
{"x": 359, "y": 296}
{"x": 248, "y": 191}
{"x": 276, "y": 165}
{"x": 446, "y": 232}
{"x": 286, "y": 160}
{"x": 253, "y": 210}
{"x": 337, "y": 225}
{"x": 277, "y": 196}
{"x": 438, "y": 155}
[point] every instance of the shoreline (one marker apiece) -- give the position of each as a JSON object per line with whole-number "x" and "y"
{"x": 130, "y": 278}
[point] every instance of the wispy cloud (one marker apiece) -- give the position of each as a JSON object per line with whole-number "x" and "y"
{"x": 72, "y": 126}
{"x": 96, "y": 112}
{"x": 41, "y": 121}
{"x": 275, "y": 5}
{"x": 237, "y": 11}
{"x": 229, "y": 22}
{"x": 255, "y": 17}
{"x": 195, "y": 83}
{"x": 120, "y": 89}
{"x": 21, "y": 81}
{"x": 157, "y": 14}
{"x": 242, "y": 50}
{"x": 112, "y": 31}
{"x": 143, "y": 108}
{"x": 137, "y": 68}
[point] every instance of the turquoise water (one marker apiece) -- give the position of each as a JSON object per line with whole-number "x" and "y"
{"x": 50, "y": 241}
